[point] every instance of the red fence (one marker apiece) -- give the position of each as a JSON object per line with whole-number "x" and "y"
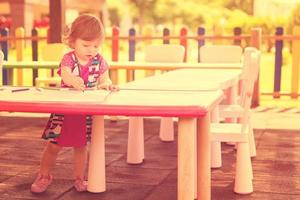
{"x": 255, "y": 38}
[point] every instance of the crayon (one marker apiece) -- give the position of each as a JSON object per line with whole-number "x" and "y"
{"x": 20, "y": 90}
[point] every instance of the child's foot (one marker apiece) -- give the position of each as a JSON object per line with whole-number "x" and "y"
{"x": 41, "y": 183}
{"x": 80, "y": 185}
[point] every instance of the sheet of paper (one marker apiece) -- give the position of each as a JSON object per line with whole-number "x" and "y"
{"x": 31, "y": 94}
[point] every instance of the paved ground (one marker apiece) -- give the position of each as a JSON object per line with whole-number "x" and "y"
{"x": 276, "y": 167}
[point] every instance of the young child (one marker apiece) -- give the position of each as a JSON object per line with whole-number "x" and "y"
{"x": 81, "y": 68}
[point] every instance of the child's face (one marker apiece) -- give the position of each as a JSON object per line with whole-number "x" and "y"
{"x": 86, "y": 49}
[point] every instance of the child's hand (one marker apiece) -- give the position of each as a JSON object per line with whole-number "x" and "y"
{"x": 108, "y": 86}
{"x": 70, "y": 79}
{"x": 78, "y": 83}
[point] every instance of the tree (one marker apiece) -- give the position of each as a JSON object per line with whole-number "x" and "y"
{"x": 245, "y": 5}
{"x": 192, "y": 13}
{"x": 294, "y": 19}
{"x": 144, "y": 8}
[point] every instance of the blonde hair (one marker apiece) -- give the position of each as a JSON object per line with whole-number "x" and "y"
{"x": 86, "y": 27}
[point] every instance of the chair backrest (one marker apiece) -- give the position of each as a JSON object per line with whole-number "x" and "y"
{"x": 249, "y": 77}
{"x": 220, "y": 54}
{"x": 53, "y": 51}
{"x": 164, "y": 53}
{"x": 1, "y": 65}
{"x": 249, "y": 74}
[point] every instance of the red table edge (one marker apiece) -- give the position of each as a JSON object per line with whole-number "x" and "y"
{"x": 97, "y": 109}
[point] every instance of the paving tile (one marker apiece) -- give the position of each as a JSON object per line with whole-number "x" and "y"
{"x": 164, "y": 192}
{"x": 66, "y": 156}
{"x": 21, "y": 154}
{"x": 275, "y": 136}
{"x": 277, "y": 184}
{"x": 113, "y": 144}
{"x": 224, "y": 194}
{"x": 171, "y": 179}
{"x": 151, "y": 162}
{"x": 34, "y": 144}
{"x": 276, "y": 168}
{"x": 18, "y": 187}
{"x": 32, "y": 127}
{"x": 279, "y": 154}
{"x": 114, "y": 191}
{"x": 136, "y": 175}
{"x": 11, "y": 169}
{"x": 154, "y": 146}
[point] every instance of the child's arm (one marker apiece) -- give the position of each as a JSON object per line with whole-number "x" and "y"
{"x": 104, "y": 82}
{"x": 70, "y": 79}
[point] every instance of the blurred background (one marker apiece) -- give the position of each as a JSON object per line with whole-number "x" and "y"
{"x": 136, "y": 23}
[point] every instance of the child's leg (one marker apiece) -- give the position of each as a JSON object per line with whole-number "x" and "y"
{"x": 80, "y": 158}
{"x": 44, "y": 179}
{"x": 49, "y": 158}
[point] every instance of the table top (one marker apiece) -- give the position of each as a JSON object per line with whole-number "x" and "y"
{"x": 171, "y": 66}
{"x": 183, "y": 92}
{"x": 189, "y": 79}
{"x": 100, "y": 102}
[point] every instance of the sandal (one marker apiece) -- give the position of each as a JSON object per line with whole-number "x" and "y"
{"x": 80, "y": 184}
{"x": 41, "y": 183}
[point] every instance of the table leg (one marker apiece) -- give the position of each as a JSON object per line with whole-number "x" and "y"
{"x": 96, "y": 174}
{"x": 203, "y": 158}
{"x": 186, "y": 158}
{"x": 135, "y": 146}
{"x": 166, "y": 130}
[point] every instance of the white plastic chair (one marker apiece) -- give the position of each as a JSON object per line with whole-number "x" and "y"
{"x": 240, "y": 133}
{"x": 51, "y": 52}
{"x": 135, "y": 149}
{"x": 220, "y": 54}
{"x": 163, "y": 53}
{"x": 234, "y": 110}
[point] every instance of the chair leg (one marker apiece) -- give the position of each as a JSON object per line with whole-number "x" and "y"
{"x": 216, "y": 155}
{"x": 215, "y": 148}
{"x": 252, "y": 145}
{"x": 243, "y": 175}
{"x": 135, "y": 147}
{"x": 231, "y": 95}
{"x": 166, "y": 131}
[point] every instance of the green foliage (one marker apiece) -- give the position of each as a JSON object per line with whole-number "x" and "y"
{"x": 296, "y": 16}
{"x": 142, "y": 4}
{"x": 195, "y": 13}
{"x": 115, "y": 12}
{"x": 174, "y": 11}
{"x": 244, "y": 5}
{"x": 294, "y": 19}
{"x": 237, "y": 18}
{"x": 144, "y": 9}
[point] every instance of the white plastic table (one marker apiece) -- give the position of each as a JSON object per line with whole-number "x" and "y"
{"x": 191, "y": 108}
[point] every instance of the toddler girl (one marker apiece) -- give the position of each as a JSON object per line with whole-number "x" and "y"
{"x": 81, "y": 68}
